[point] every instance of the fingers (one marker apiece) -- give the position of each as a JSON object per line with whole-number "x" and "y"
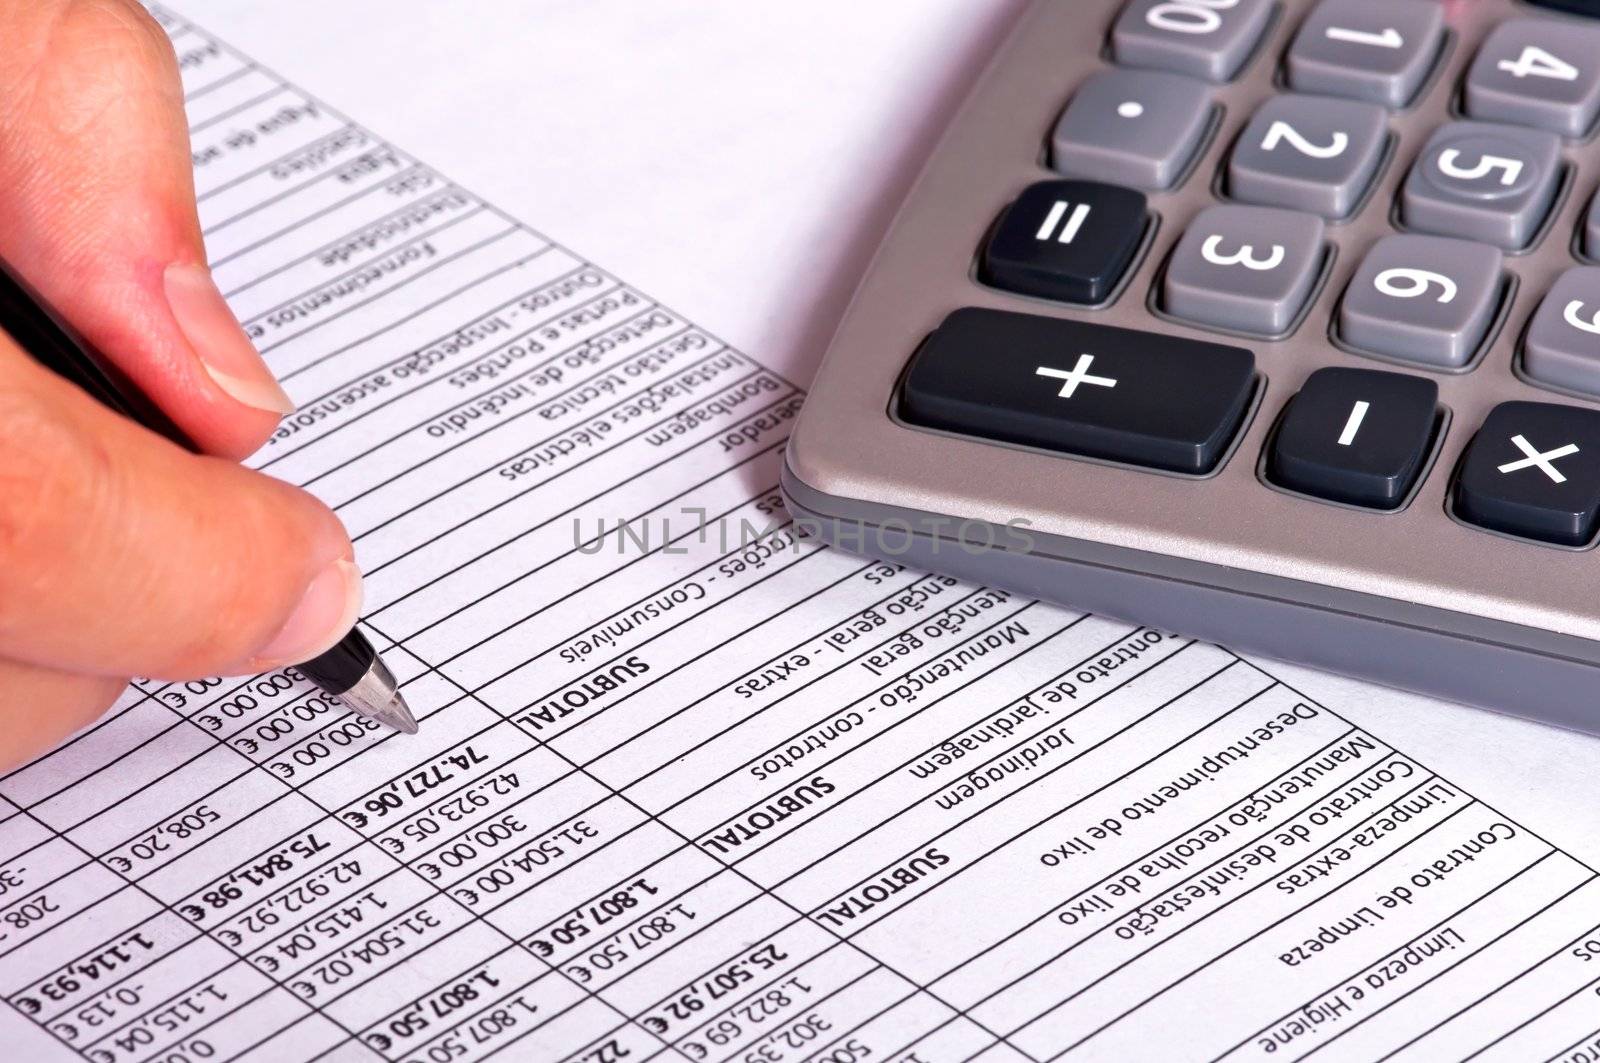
{"x": 98, "y": 213}
{"x": 126, "y": 555}
{"x": 39, "y": 708}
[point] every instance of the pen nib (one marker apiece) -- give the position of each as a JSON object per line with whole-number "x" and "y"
{"x": 376, "y": 695}
{"x": 397, "y": 714}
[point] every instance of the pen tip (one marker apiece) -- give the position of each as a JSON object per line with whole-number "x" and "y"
{"x": 376, "y": 695}
{"x": 397, "y": 714}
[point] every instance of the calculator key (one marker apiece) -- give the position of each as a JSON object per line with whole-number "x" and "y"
{"x": 1591, "y": 228}
{"x": 1577, "y": 7}
{"x": 1205, "y": 40}
{"x": 1358, "y": 436}
{"x": 1113, "y": 393}
{"x": 1483, "y": 181}
{"x": 1426, "y": 299}
{"x": 1537, "y": 72}
{"x": 1311, "y": 153}
{"x": 1533, "y": 470}
{"x": 1378, "y": 50}
{"x": 1131, "y": 127}
{"x": 1562, "y": 346}
{"x": 1244, "y": 268}
{"x": 1066, "y": 240}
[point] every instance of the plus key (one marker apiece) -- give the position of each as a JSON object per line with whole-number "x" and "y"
{"x": 1078, "y": 374}
{"x": 1139, "y": 398}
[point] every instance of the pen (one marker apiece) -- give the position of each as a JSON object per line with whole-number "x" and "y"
{"x": 352, "y": 671}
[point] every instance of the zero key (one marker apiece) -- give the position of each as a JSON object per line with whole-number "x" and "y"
{"x": 1119, "y": 394}
{"x": 1210, "y": 40}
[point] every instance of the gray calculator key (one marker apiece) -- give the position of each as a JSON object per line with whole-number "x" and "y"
{"x": 1483, "y": 181}
{"x": 1562, "y": 347}
{"x": 1244, "y": 268}
{"x": 1378, "y": 50}
{"x": 1591, "y": 228}
{"x": 1425, "y": 299}
{"x": 1538, "y": 72}
{"x": 1311, "y": 153}
{"x": 1131, "y": 127}
{"x": 1206, "y": 40}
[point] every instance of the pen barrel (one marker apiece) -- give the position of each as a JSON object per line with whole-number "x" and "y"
{"x": 59, "y": 347}
{"x": 343, "y": 666}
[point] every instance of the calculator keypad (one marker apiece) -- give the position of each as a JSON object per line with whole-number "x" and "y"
{"x": 1302, "y": 167}
{"x": 1562, "y": 346}
{"x": 1209, "y": 41}
{"x": 1424, "y": 299}
{"x": 1483, "y": 181}
{"x": 1135, "y": 128}
{"x": 1248, "y": 269}
{"x": 1310, "y": 153}
{"x": 1119, "y": 394}
{"x": 1065, "y": 240}
{"x": 1533, "y": 470}
{"x": 1357, "y": 436}
{"x": 1537, "y": 72}
{"x": 1377, "y": 50}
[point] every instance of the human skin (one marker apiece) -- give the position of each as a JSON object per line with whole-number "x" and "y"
{"x": 121, "y": 553}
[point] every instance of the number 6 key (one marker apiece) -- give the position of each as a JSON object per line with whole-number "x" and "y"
{"x": 1423, "y": 299}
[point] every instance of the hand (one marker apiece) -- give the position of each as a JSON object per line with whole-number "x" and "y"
{"x": 120, "y": 553}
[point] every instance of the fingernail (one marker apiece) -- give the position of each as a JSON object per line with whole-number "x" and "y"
{"x": 224, "y": 350}
{"x": 326, "y": 613}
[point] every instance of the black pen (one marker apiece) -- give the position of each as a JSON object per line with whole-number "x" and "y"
{"x": 352, "y": 671}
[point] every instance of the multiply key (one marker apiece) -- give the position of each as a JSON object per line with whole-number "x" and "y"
{"x": 1533, "y": 470}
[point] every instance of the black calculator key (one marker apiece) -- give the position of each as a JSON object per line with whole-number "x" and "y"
{"x": 1533, "y": 470}
{"x": 1355, "y": 435}
{"x": 1066, "y": 240}
{"x": 1114, "y": 393}
{"x": 1577, "y": 7}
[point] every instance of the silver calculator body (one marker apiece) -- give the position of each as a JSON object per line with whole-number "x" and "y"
{"x": 1427, "y": 590}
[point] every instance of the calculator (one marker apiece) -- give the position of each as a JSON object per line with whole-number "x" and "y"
{"x": 1274, "y": 323}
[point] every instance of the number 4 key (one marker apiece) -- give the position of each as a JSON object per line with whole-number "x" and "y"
{"x": 1539, "y": 73}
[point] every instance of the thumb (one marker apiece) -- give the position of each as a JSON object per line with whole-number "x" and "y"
{"x": 125, "y": 555}
{"x": 99, "y": 217}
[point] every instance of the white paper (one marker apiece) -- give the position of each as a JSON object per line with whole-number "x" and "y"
{"x": 707, "y": 798}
